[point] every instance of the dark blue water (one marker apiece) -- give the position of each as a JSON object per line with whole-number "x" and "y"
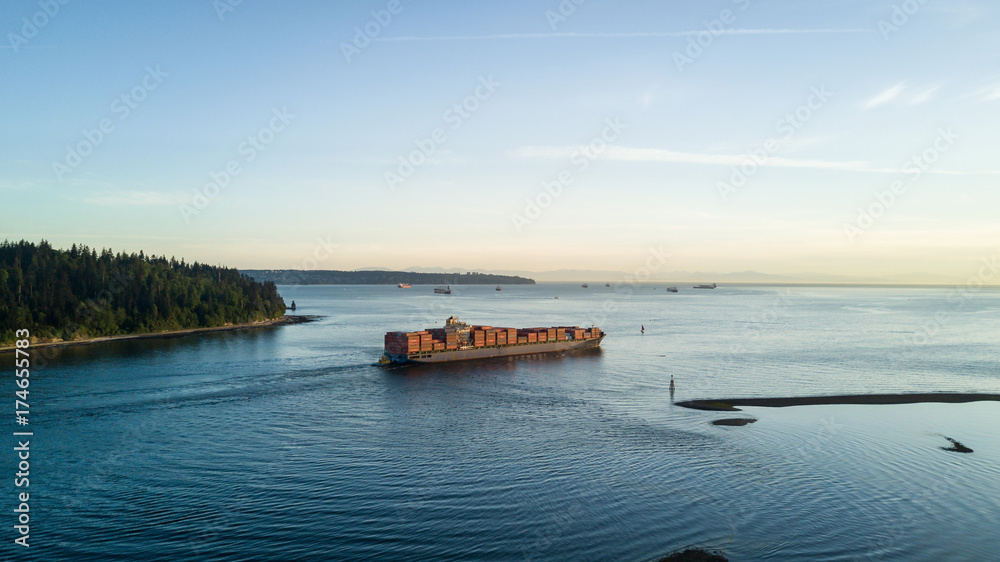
{"x": 286, "y": 444}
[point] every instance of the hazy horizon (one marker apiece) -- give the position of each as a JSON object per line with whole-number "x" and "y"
{"x": 840, "y": 139}
{"x": 660, "y": 277}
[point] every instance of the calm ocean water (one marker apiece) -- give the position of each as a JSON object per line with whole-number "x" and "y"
{"x": 287, "y": 444}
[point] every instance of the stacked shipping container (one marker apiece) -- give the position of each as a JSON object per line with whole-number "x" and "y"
{"x": 437, "y": 339}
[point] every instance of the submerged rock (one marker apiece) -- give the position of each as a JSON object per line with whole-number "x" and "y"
{"x": 695, "y": 555}
{"x": 956, "y": 447}
{"x": 710, "y": 405}
{"x": 734, "y": 421}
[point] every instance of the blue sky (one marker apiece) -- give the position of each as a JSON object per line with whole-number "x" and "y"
{"x": 651, "y": 112}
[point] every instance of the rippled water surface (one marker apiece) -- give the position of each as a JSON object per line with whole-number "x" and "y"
{"x": 287, "y": 444}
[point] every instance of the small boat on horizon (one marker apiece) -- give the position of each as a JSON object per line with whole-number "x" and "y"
{"x": 607, "y": 284}
{"x": 671, "y": 289}
{"x": 403, "y": 285}
{"x": 443, "y": 290}
{"x": 585, "y": 286}
{"x": 499, "y": 288}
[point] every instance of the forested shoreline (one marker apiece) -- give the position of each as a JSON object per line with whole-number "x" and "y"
{"x": 82, "y": 293}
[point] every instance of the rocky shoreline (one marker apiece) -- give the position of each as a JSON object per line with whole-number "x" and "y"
{"x": 730, "y": 404}
{"x": 283, "y": 321}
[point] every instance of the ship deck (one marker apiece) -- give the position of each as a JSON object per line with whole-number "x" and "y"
{"x": 490, "y": 352}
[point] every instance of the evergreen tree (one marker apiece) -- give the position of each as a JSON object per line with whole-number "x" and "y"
{"x": 80, "y": 293}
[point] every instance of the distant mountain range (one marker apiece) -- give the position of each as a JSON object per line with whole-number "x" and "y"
{"x": 611, "y": 276}
{"x": 460, "y": 276}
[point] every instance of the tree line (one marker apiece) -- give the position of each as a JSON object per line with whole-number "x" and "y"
{"x": 79, "y": 292}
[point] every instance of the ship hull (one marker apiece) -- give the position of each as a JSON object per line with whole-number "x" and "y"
{"x": 496, "y": 351}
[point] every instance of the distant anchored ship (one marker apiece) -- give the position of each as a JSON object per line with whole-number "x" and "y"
{"x": 712, "y": 286}
{"x": 403, "y": 285}
{"x": 443, "y": 290}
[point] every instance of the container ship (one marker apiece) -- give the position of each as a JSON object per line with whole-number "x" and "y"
{"x": 459, "y": 341}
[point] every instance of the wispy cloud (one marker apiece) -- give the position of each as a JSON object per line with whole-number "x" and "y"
{"x": 886, "y": 96}
{"x": 984, "y": 94}
{"x": 804, "y": 143}
{"x": 630, "y": 154}
{"x": 617, "y": 35}
{"x": 992, "y": 95}
{"x": 924, "y": 95}
{"x": 672, "y": 156}
{"x": 134, "y": 199}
